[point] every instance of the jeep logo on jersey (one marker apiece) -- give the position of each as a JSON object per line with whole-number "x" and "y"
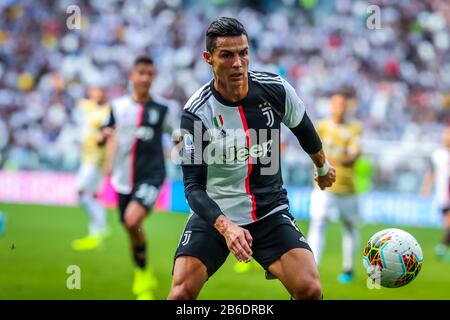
{"x": 233, "y": 154}
{"x": 266, "y": 109}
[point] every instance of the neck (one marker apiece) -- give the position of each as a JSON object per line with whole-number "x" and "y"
{"x": 231, "y": 93}
{"x": 338, "y": 120}
{"x": 141, "y": 97}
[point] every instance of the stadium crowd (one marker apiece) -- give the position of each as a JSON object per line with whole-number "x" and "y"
{"x": 398, "y": 71}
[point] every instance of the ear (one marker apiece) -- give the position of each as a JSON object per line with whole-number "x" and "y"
{"x": 208, "y": 57}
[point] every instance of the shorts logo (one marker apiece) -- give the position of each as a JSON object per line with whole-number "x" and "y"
{"x": 186, "y": 237}
{"x": 302, "y": 239}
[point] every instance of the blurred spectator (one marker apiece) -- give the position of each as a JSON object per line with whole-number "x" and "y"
{"x": 400, "y": 72}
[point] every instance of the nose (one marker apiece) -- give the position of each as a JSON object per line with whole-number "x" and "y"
{"x": 237, "y": 63}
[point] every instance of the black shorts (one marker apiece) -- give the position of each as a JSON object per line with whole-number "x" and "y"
{"x": 445, "y": 210}
{"x": 144, "y": 193}
{"x": 272, "y": 237}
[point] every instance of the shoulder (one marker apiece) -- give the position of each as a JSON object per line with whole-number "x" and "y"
{"x": 160, "y": 103}
{"x": 84, "y": 104}
{"x": 198, "y": 99}
{"x": 356, "y": 126}
{"x": 323, "y": 123}
{"x": 121, "y": 102}
{"x": 265, "y": 78}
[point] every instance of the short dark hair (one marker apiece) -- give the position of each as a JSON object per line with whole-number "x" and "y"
{"x": 223, "y": 27}
{"x": 143, "y": 60}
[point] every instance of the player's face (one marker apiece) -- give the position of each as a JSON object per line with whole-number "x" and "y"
{"x": 142, "y": 77}
{"x": 230, "y": 60}
{"x": 96, "y": 94}
{"x": 338, "y": 106}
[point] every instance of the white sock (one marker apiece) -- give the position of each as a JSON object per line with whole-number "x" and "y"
{"x": 349, "y": 245}
{"x": 316, "y": 238}
{"x": 95, "y": 211}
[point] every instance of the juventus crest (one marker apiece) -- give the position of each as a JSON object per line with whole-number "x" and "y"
{"x": 266, "y": 109}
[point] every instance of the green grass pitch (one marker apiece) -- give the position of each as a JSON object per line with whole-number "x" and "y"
{"x": 35, "y": 253}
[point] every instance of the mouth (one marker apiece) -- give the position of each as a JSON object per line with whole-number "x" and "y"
{"x": 236, "y": 76}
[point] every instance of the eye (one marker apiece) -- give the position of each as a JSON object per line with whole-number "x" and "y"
{"x": 244, "y": 53}
{"x": 226, "y": 55}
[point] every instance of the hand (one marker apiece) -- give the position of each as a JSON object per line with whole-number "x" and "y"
{"x": 239, "y": 240}
{"x": 104, "y": 135}
{"x": 326, "y": 180}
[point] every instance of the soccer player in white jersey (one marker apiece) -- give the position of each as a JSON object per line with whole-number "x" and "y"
{"x": 439, "y": 175}
{"x": 135, "y": 155}
{"x": 230, "y": 161}
{"x": 92, "y": 114}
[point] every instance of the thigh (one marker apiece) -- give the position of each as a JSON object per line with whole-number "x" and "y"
{"x": 274, "y": 236}
{"x": 296, "y": 269}
{"x": 202, "y": 241}
{"x": 89, "y": 178}
{"x": 190, "y": 273}
{"x": 123, "y": 201}
{"x": 135, "y": 213}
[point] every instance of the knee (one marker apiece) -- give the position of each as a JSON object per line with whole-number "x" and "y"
{"x": 181, "y": 292}
{"x": 308, "y": 291}
{"x": 132, "y": 225}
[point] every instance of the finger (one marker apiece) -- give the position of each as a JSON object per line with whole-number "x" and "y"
{"x": 245, "y": 246}
{"x": 244, "y": 249}
{"x": 249, "y": 237}
{"x": 236, "y": 254}
{"x": 239, "y": 252}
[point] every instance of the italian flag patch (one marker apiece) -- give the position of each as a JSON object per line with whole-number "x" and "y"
{"x": 218, "y": 121}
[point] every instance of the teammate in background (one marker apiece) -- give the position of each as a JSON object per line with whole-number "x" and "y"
{"x": 135, "y": 157}
{"x": 92, "y": 114}
{"x": 439, "y": 175}
{"x": 340, "y": 136}
{"x": 237, "y": 198}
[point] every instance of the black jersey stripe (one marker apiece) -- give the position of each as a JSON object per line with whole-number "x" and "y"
{"x": 268, "y": 82}
{"x": 254, "y": 78}
{"x": 200, "y": 103}
{"x": 263, "y": 76}
{"x": 199, "y": 97}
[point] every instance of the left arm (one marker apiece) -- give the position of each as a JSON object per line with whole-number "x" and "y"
{"x": 297, "y": 120}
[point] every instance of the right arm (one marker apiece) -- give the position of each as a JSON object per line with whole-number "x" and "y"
{"x": 195, "y": 172}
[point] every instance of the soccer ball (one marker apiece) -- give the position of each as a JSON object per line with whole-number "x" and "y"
{"x": 392, "y": 258}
